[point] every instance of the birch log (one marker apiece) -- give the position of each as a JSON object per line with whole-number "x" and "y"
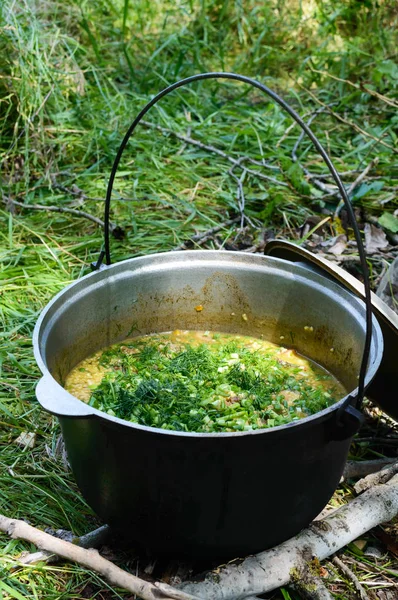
{"x": 279, "y": 566}
{"x": 91, "y": 559}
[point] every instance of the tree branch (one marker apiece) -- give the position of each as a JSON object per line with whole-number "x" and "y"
{"x": 274, "y": 568}
{"x": 90, "y": 559}
{"x": 357, "y": 86}
{"x": 360, "y": 468}
{"x": 236, "y": 162}
{"x": 201, "y": 238}
{"x": 380, "y": 477}
{"x": 349, "y": 123}
{"x": 350, "y": 575}
{"x": 115, "y": 230}
{"x": 93, "y": 539}
{"x": 355, "y": 184}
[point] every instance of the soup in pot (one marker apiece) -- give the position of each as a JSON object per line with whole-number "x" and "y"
{"x": 203, "y": 381}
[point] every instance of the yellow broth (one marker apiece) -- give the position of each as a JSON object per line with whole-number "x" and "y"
{"x": 203, "y": 381}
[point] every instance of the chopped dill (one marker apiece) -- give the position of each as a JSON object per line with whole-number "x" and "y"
{"x": 209, "y": 383}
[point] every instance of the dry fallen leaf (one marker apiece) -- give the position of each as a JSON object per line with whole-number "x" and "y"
{"x": 339, "y": 246}
{"x": 375, "y": 239}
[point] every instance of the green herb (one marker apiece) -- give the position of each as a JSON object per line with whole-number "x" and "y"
{"x": 222, "y": 386}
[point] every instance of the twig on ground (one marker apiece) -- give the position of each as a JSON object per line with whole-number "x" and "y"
{"x": 294, "y": 124}
{"x": 361, "y": 468}
{"x": 237, "y": 162}
{"x": 357, "y": 86}
{"x": 181, "y": 150}
{"x": 313, "y": 178}
{"x": 288, "y": 130}
{"x": 300, "y": 138}
{"x": 239, "y": 180}
{"x": 343, "y": 258}
{"x": 370, "y": 568}
{"x": 201, "y": 238}
{"x": 74, "y": 190}
{"x": 240, "y": 195}
{"x": 255, "y": 248}
{"x": 322, "y": 539}
{"x": 362, "y": 175}
{"x": 329, "y": 191}
{"x": 174, "y": 593}
{"x": 351, "y": 576}
{"x": 349, "y": 123}
{"x": 93, "y": 539}
{"x": 91, "y": 559}
{"x": 376, "y": 478}
{"x": 388, "y": 441}
{"x": 354, "y": 258}
{"x": 349, "y": 173}
{"x": 116, "y": 230}
{"x": 355, "y": 184}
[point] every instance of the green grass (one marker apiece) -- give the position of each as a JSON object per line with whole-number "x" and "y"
{"x": 73, "y": 76}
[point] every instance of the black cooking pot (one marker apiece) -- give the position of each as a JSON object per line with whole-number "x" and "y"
{"x": 197, "y": 494}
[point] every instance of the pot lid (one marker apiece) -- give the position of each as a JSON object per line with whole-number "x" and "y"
{"x": 383, "y": 389}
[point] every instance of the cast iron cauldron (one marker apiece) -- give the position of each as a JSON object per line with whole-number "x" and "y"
{"x": 220, "y": 494}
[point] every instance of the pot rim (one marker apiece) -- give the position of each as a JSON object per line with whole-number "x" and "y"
{"x": 51, "y": 387}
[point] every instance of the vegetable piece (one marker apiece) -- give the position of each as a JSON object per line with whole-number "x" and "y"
{"x": 205, "y": 382}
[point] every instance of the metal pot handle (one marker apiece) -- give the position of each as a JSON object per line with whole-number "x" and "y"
{"x": 56, "y": 400}
{"x": 106, "y": 252}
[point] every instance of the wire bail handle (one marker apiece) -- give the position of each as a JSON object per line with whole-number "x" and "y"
{"x": 364, "y": 267}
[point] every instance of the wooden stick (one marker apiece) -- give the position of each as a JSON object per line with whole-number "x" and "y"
{"x": 273, "y": 568}
{"x": 357, "y": 86}
{"x": 348, "y": 573}
{"x": 355, "y": 184}
{"x": 377, "y": 478}
{"x": 237, "y": 162}
{"x": 347, "y": 122}
{"x": 93, "y": 539}
{"x": 204, "y": 236}
{"x": 91, "y": 559}
{"x": 114, "y": 229}
{"x": 360, "y": 468}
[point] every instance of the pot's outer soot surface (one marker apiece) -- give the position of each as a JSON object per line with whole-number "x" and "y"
{"x": 204, "y": 495}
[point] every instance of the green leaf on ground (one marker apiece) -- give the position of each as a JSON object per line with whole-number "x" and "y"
{"x": 389, "y": 221}
{"x": 367, "y": 188}
{"x": 388, "y": 68}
